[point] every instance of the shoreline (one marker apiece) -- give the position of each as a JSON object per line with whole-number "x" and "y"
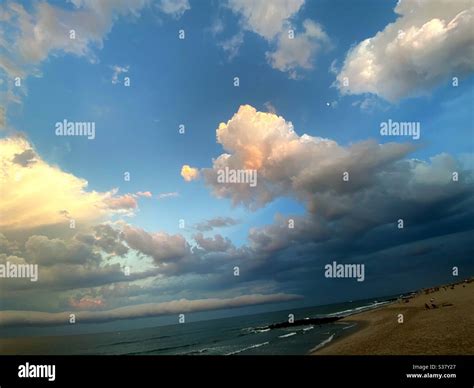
{"x": 433, "y": 321}
{"x": 359, "y": 325}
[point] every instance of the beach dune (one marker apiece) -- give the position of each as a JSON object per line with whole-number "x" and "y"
{"x": 438, "y": 321}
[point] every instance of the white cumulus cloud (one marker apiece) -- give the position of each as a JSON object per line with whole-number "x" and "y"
{"x": 265, "y": 18}
{"x": 299, "y": 51}
{"x": 429, "y": 43}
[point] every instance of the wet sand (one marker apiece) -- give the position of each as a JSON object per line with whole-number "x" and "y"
{"x": 447, "y": 329}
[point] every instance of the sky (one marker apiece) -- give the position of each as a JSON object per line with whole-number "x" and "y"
{"x": 133, "y": 222}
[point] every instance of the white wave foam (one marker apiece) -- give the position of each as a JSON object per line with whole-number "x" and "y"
{"x": 348, "y": 327}
{"x": 324, "y": 343}
{"x": 357, "y": 309}
{"x": 287, "y": 335}
{"x": 247, "y": 348}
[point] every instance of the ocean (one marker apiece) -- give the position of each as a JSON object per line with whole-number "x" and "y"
{"x": 240, "y": 335}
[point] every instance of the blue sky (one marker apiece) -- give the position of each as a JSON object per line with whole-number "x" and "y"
{"x": 190, "y": 82}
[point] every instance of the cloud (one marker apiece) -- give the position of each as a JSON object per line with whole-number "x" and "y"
{"x": 270, "y": 107}
{"x": 265, "y": 18}
{"x": 45, "y": 251}
{"x": 183, "y": 306}
{"x": 288, "y": 164}
{"x": 174, "y": 256}
{"x": 216, "y": 244}
{"x": 370, "y": 103}
{"x": 346, "y": 219}
{"x": 64, "y": 277}
{"x": 162, "y": 247}
{"x": 298, "y": 52}
{"x": 217, "y": 27}
{"x": 232, "y": 45}
{"x": 86, "y": 303}
{"x": 189, "y": 173}
{"x": 278, "y": 236}
{"x": 175, "y": 8}
{"x": 124, "y": 204}
{"x": 428, "y": 44}
{"x": 38, "y": 194}
{"x": 272, "y": 20}
{"x": 25, "y": 158}
{"x": 68, "y": 263}
{"x": 106, "y": 238}
{"x": 117, "y": 70}
{"x": 8, "y": 247}
{"x": 217, "y": 222}
{"x": 168, "y": 195}
{"x": 47, "y": 28}
{"x": 146, "y": 194}
{"x": 58, "y": 282}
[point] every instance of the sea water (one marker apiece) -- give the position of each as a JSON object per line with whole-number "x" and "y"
{"x": 240, "y": 335}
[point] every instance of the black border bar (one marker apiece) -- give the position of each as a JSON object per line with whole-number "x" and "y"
{"x": 251, "y": 371}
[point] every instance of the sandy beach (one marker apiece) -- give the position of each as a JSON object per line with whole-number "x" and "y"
{"x": 436, "y": 321}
